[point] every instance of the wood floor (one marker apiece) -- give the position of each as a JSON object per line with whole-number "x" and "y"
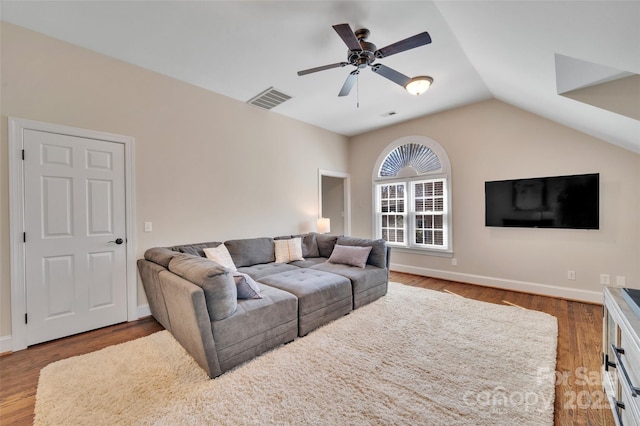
{"x": 579, "y": 398}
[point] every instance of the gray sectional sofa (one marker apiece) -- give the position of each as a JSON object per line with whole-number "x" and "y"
{"x": 197, "y": 299}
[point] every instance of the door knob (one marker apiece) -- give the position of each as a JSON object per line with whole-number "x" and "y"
{"x": 117, "y": 241}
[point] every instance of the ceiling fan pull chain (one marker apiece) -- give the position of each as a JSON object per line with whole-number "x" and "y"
{"x": 358, "y": 91}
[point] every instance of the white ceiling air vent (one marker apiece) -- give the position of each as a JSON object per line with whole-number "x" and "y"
{"x": 268, "y": 99}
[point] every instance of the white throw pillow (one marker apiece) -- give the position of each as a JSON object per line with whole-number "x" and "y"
{"x": 221, "y": 255}
{"x": 288, "y": 250}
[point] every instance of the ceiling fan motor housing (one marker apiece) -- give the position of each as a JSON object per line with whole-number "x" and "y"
{"x": 366, "y": 56}
{"x": 363, "y": 57}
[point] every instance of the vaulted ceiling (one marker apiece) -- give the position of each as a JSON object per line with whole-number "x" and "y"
{"x": 574, "y": 62}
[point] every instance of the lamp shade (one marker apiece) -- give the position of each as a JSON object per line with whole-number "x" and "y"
{"x": 324, "y": 225}
{"x": 418, "y": 85}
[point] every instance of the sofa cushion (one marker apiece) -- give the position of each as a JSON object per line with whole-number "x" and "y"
{"x": 378, "y": 255}
{"x": 251, "y": 251}
{"x": 160, "y": 255}
{"x": 257, "y": 326}
{"x": 309, "y": 262}
{"x": 195, "y": 249}
{"x": 309, "y": 245}
{"x": 263, "y": 269}
{"x": 216, "y": 281}
{"x": 246, "y": 286}
{"x": 288, "y": 250}
{"x": 325, "y": 244}
{"x": 220, "y": 255}
{"x": 363, "y": 281}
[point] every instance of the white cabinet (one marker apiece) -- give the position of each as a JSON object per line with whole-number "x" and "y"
{"x": 621, "y": 356}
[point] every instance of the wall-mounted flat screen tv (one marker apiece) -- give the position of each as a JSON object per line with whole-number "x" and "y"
{"x": 547, "y": 202}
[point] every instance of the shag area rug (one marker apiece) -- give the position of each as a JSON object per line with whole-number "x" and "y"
{"x": 415, "y": 356}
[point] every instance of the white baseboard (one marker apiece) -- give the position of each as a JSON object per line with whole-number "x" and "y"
{"x": 5, "y": 344}
{"x": 5, "y": 341}
{"x": 521, "y": 286}
{"x": 143, "y": 311}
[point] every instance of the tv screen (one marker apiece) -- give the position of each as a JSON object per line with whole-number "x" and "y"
{"x": 547, "y": 202}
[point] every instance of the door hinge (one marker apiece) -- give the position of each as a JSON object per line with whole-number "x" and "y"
{"x": 26, "y": 321}
{"x": 24, "y": 237}
{"x": 23, "y": 154}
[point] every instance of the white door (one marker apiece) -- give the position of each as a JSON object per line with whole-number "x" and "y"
{"x": 75, "y": 259}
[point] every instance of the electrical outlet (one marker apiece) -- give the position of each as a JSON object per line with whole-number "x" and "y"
{"x": 571, "y": 275}
{"x": 148, "y": 227}
{"x": 621, "y": 281}
{"x": 454, "y": 261}
{"x": 605, "y": 279}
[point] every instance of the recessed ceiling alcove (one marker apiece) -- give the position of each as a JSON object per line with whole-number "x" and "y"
{"x": 598, "y": 85}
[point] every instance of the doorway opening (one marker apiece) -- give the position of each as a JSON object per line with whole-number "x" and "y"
{"x": 334, "y": 200}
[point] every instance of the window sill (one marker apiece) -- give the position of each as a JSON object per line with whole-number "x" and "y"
{"x": 422, "y": 251}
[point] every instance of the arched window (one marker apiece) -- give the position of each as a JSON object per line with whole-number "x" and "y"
{"x": 412, "y": 186}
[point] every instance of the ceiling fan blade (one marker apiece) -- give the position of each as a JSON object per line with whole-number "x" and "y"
{"x": 346, "y": 34}
{"x": 349, "y": 82}
{"x": 322, "y": 68}
{"x": 402, "y": 45}
{"x": 391, "y": 74}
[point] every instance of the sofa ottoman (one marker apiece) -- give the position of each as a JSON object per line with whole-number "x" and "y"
{"x": 322, "y": 296}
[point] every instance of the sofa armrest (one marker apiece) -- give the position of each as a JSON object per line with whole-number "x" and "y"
{"x": 190, "y": 324}
{"x": 388, "y": 260}
{"x": 149, "y": 274}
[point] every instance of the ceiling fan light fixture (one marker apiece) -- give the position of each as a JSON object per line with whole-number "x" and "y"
{"x": 418, "y": 85}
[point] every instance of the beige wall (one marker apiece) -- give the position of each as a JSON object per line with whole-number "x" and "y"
{"x": 490, "y": 141}
{"x": 207, "y": 167}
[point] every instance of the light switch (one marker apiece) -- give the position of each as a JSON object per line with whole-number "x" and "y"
{"x": 148, "y": 227}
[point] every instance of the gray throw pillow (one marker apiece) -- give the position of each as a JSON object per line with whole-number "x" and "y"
{"x": 247, "y": 287}
{"x": 350, "y": 255}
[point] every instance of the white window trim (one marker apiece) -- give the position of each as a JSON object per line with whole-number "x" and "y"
{"x": 378, "y": 215}
{"x": 412, "y": 213}
{"x": 443, "y": 173}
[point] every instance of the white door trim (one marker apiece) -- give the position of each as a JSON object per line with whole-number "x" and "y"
{"x": 16, "y": 218}
{"x": 347, "y": 196}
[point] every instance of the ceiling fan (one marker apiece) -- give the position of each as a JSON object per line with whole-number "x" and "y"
{"x": 363, "y": 54}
